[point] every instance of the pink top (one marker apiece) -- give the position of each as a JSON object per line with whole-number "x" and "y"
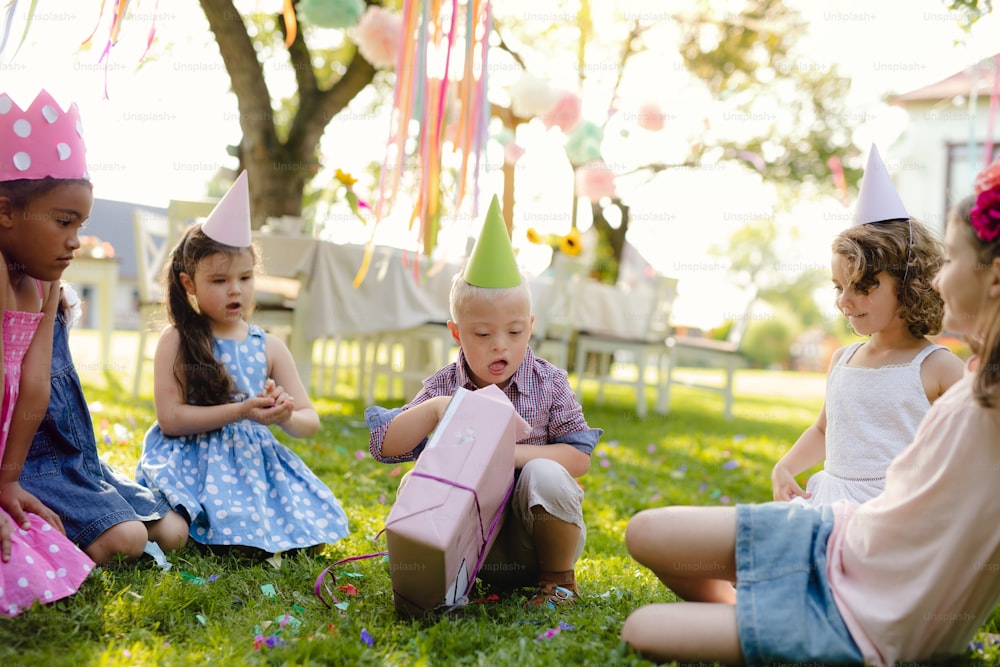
{"x": 916, "y": 571}
{"x": 44, "y": 565}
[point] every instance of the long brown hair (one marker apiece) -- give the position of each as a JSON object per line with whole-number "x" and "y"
{"x": 986, "y": 383}
{"x": 203, "y": 378}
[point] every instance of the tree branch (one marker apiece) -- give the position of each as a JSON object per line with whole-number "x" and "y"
{"x": 245, "y": 72}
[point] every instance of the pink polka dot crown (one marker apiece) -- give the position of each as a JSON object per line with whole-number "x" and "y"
{"x": 42, "y": 141}
{"x": 985, "y": 213}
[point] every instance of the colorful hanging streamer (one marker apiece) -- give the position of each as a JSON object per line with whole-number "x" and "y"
{"x": 441, "y": 89}
{"x": 118, "y": 15}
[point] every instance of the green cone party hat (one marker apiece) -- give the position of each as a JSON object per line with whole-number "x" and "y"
{"x": 492, "y": 262}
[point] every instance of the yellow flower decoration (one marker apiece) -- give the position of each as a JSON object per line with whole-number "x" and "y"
{"x": 571, "y": 244}
{"x": 345, "y": 178}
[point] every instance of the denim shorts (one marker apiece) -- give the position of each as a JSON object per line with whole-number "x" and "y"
{"x": 63, "y": 468}
{"x": 785, "y": 609}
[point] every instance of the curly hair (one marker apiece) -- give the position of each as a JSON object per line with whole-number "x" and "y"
{"x": 906, "y": 250}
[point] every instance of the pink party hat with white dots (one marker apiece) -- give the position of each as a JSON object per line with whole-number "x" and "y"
{"x": 42, "y": 141}
{"x": 229, "y": 221}
{"x": 878, "y": 200}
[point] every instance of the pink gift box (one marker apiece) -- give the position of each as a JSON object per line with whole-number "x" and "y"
{"x": 450, "y": 509}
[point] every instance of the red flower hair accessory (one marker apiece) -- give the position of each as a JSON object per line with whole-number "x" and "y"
{"x": 985, "y": 213}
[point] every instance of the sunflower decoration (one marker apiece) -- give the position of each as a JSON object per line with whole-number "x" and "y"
{"x": 569, "y": 244}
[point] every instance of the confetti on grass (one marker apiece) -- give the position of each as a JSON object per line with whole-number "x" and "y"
{"x": 366, "y": 637}
{"x": 730, "y": 464}
{"x": 270, "y": 641}
{"x": 552, "y": 632}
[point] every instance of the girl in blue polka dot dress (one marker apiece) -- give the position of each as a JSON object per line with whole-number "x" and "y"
{"x": 219, "y": 383}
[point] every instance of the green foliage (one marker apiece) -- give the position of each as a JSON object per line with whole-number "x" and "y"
{"x": 208, "y": 609}
{"x": 971, "y": 11}
{"x": 767, "y": 342}
{"x": 750, "y": 61}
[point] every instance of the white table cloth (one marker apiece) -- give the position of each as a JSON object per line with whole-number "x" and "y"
{"x": 394, "y": 297}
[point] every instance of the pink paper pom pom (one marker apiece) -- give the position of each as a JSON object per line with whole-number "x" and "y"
{"x": 595, "y": 181}
{"x": 650, "y": 117}
{"x": 378, "y": 35}
{"x": 565, "y": 114}
{"x": 989, "y": 177}
{"x": 512, "y": 153}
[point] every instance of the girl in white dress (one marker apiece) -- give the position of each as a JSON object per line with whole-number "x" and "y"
{"x": 878, "y": 390}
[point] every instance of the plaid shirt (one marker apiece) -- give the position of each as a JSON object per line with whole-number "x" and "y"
{"x": 538, "y": 390}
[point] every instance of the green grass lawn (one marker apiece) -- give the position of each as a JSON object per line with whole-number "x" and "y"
{"x": 210, "y": 609}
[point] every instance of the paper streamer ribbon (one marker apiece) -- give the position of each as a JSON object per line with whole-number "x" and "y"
{"x": 441, "y": 89}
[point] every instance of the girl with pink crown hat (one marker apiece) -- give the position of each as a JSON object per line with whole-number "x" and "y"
{"x": 45, "y": 197}
{"x": 104, "y": 513}
{"x": 219, "y": 383}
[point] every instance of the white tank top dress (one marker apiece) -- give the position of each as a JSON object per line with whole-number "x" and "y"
{"x": 872, "y": 414}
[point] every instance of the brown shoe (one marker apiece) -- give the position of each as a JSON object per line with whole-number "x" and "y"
{"x": 554, "y": 589}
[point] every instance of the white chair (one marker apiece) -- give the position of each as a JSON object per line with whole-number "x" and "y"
{"x": 408, "y": 356}
{"x": 336, "y": 356}
{"x": 553, "y": 331}
{"x": 645, "y": 353}
{"x": 152, "y": 246}
{"x": 719, "y": 354}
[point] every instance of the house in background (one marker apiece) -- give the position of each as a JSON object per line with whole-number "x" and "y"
{"x": 950, "y": 137}
{"x": 111, "y": 221}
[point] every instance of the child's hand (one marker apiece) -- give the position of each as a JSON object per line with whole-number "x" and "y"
{"x": 17, "y": 502}
{"x": 6, "y": 530}
{"x": 272, "y": 406}
{"x": 270, "y": 386}
{"x": 784, "y": 486}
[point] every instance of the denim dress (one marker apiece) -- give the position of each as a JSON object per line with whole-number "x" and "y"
{"x": 63, "y": 468}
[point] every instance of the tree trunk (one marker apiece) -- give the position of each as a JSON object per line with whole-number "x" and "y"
{"x": 613, "y": 236}
{"x": 278, "y": 171}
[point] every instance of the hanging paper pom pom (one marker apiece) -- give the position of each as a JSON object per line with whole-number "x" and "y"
{"x": 378, "y": 35}
{"x": 595, "y": 181}
{"x": 512, "y": 153}
{"x": 531, "y": 96}
{"x": 565, "y": 113}
{"x": 650, "y": 117}
{"x": 331, "y": 13}
{"x": 584, "y": 143}
{"x": 988, "y": 178}
{"x": 503, "y": 136}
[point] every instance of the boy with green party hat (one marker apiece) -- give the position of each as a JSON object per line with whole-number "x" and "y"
{"x": 543, "y": 533}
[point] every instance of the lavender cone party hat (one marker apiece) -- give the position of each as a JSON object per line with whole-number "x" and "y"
{"x": 492, "y": 262}
{"x": 878, "y": 200}
{"x": 42, "y": 141}
{"x": 229, "y": 221}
